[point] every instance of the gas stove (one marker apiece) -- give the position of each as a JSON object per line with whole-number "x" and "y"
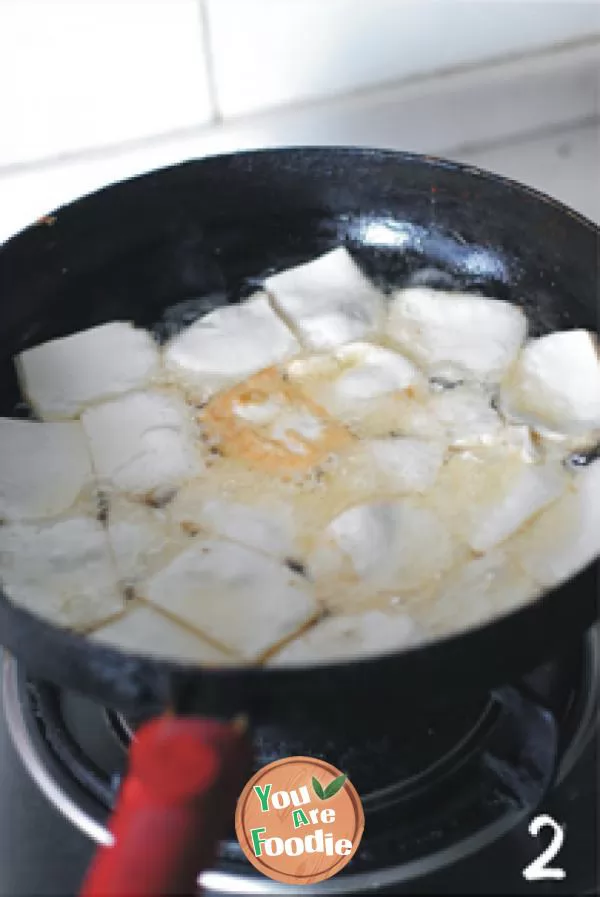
{"x": 462, "y": 801}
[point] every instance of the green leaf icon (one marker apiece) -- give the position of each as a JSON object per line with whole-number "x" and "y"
{"x": 317, "y": 788}
{"x": 335, "y": 786}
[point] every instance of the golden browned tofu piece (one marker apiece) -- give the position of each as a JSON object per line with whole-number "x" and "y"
{"x": 271, "y": 425}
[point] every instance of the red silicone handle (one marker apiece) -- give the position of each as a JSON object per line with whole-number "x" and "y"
{"x": 184, "y": 778}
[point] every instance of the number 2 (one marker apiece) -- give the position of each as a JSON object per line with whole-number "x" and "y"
{"x": 538, "y": 869}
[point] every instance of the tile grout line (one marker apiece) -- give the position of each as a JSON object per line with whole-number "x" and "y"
{"x": 209, "y": 61}
{"x": 494, "y": 65}
{"x": 107, "y": 151}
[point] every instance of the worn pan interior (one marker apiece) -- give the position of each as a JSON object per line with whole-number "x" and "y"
{"x": 211, "y": 228}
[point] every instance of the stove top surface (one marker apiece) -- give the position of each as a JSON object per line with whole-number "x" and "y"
{"x": 448, "y": 798}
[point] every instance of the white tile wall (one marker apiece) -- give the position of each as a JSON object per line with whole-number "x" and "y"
{"x": 496, "y": 106}
{"x": 86, "y": 73}
{"x": 270, "y": 52}
{"x": 79, "y": 75}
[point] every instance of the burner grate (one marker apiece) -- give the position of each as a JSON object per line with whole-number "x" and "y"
{"x": 435, "y": 791}
{"x": 46, "y": 707}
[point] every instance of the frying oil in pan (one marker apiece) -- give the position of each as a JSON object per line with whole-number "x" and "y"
{"x": 409, "y": 519}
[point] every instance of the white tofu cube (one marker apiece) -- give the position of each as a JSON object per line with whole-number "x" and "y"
{"x": 390, "y": 545}
{"x": 141, "y": 538}
{"x": 466, "y": 417}
{"x": 242, "y": 599}
{"x": 62, "y": 377}
{"x": 565, "y": 538}
{"x": 390, "y": 466}
{"x": 371, "y": 371}
{"x": 328, "y": 301}
{"x": 228, "y": 345}
{"x": 555, "y": 384}
{"x": 144, "y": 630}
{"x": 44, "y": 468}
{"x": 471, "y": 336}
{"x": 349, "y": 381}
{"x": 487, "y": 496}
{"x": 143, "y": 442}
{"x": 268, "y": 527}
{"x": 350, "y": 637}
{"x": 61, "y": 571}
{"x": 535, "y": 487}
{"x": 479, "y": 591}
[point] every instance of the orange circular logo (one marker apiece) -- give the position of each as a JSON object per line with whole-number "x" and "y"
{"x": 299, "y": 820}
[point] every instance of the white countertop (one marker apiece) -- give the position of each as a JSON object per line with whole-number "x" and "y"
{"x": 564, "y": 163}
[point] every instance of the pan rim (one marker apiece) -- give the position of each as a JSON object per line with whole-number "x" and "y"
{"x": 405, "y": 157}
{"x": 48, "y": 631}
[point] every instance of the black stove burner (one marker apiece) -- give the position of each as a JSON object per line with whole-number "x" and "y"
{"x": 435, "y": 790}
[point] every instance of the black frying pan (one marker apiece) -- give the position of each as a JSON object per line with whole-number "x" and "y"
{"x": 211, "y": 228}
